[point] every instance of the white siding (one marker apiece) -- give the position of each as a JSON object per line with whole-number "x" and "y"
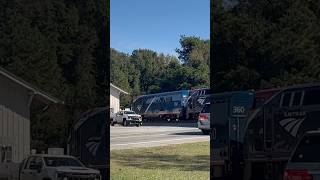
{"x": 114, "y": 99}
{"x": 15, "y": 132}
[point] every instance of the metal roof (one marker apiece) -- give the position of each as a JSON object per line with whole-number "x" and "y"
{"x": 28, "y": 86}
{"x": 117, "y": 88}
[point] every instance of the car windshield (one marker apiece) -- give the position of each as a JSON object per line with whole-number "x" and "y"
{"x": 129, "y": 112}
{"x": 307, "y": 150}
{"x": 61, "y": 161}
{"x": 206, "y": 108}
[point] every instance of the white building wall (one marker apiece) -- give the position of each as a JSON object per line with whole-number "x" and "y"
{"x": 14, "y": 132}
{"x": 114, "y": 99}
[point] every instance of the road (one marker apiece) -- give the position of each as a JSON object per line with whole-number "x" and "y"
{"x": 150, "y": 136}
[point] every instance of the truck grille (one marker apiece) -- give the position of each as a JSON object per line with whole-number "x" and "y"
{"x": 80, "y": 177}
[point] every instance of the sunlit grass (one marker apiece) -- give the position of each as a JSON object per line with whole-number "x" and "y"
{"x": 176, "y": 162}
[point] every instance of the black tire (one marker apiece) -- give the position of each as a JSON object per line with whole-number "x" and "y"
{"x": 137, "y": 125}
{"x": 124, "y": 122}
{"x": 112, "y": 123}
{"x": 205, "y": 132}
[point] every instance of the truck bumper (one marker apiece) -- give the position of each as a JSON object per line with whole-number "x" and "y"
{"x": 134, "y": 122}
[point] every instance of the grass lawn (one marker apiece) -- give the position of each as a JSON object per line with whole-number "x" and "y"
{"x": 174, "y": 162}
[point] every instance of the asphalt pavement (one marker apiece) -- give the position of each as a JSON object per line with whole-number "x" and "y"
{"x": 154, "y": 135}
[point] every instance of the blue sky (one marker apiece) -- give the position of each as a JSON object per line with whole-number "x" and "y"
{"x": 157, "y": 24}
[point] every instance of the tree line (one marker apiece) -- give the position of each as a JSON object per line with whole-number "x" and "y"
{"x": 58, "y": 46}
{"x": 145, "y": 71}
{"x": 264, "y": 43}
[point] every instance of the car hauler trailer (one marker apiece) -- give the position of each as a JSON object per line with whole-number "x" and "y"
{"x": 163, "y": 106}
{"x": 258, "y": 145}
{"x": 196, "y": 100}
{"x": 88, "y": 140}
{"x": 175, "y": 105}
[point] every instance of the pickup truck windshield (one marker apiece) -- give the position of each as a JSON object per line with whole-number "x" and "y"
{"x": 61, "y": 161}
{"x": 307, "y": 150}
{"x": 129, "y": 112}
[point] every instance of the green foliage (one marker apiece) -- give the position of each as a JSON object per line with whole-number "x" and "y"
{"x": 261, "y": 44}
{"x": 146, "y": 71}
{"x": 56, "y": 45}
{"x": 178, "y": 162}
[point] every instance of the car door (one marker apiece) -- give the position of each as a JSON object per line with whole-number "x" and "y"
{"x": 37, "y": 169}
{"x": 26, "y": 172}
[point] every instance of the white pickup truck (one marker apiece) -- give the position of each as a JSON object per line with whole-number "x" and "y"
{"x": 55, "y": 167}
{"x": 127, "y": 117}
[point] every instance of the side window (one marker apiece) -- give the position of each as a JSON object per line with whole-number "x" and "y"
{"x": 286, "y": 99}
{"x": 35, "y": 163}
{"x": 312, "y": 97}
{"x": 38, "y": 161}
{"x": 29, "y": 161}
{"x": 297, "y": 99}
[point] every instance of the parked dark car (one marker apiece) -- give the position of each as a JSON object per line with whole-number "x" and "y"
{"x": 304, "y": 164}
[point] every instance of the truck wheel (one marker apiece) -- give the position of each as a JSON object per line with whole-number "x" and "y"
{"x": 205, "y": 132}
{"x": 137, "y": 125}
{"x": 125, "y": 123}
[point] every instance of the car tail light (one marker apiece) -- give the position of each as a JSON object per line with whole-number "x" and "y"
{"x": 297, "y": 175}
{"x": 203, "y": 117}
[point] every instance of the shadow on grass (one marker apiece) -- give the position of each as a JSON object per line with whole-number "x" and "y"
{"x": 163, "y": 162}
{"x": 189, "y": 133}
